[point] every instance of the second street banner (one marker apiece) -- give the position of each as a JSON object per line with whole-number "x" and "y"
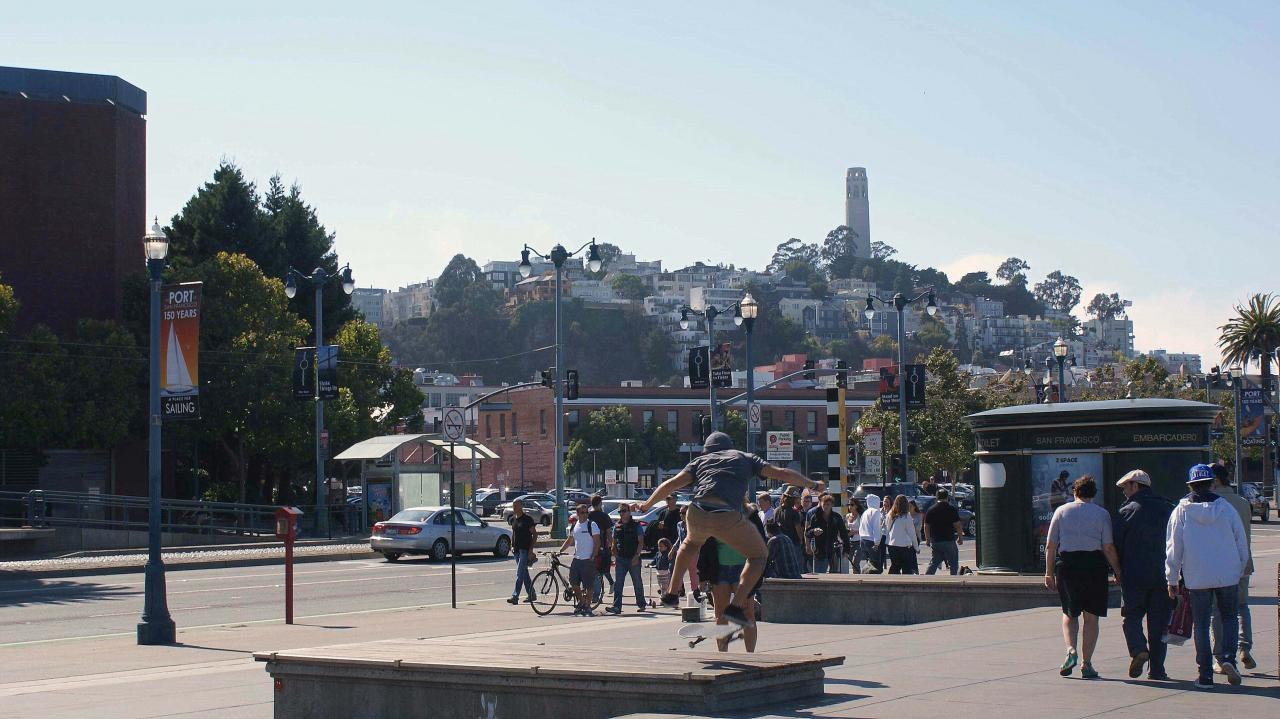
{"x": 180, "y": 351}
{"x": 1252, "y": 417}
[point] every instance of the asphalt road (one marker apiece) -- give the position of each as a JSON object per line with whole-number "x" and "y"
{"x": 93, "y": 606}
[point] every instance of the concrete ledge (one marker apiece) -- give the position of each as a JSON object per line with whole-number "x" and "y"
{"x": 24, "y": 534}
{"x": 902, "y": 599}
{"x": 522, "y": 681}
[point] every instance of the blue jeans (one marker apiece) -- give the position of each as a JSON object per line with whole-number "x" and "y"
{"x": 873, "y": 552}
{"x": 522, "y": 574}
{"x": 1153, "y": 604}
{"x": 944, "y": 551}
{"x": 1202, "y": 607}
{"x": 1246, "y": 620}
{"x": 624, "y": 567}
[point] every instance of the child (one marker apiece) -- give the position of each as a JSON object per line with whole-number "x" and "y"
{"x": 662, "y": 562}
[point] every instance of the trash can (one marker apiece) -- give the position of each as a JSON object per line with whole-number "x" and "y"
{"x": 1029, "y": 455}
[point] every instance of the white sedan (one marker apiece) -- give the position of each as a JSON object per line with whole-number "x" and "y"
{"x": 427, "y": 530}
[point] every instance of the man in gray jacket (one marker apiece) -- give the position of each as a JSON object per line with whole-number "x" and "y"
{"x": 1222, "y": 487}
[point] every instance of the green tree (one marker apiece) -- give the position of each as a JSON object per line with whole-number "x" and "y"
{"x": 932, "y": 335}
{"x": 792, "y": 249}
{"x": 1254, "y": 335}
{"x": 882, "y": 251}
{"x": 884, "y": 346}
{"x": 839, "y": 247}
{"x": 600, "y": 430}
{"x": 964, "y": 347}
{"x": 608, "y": 254}
{"x": 1105, "y": 307}
{"x": 1059, "y": 291}
{"x": 629, "y": 287}
{"x": 1013, "y": 271}
{"x": 9, "y": 306}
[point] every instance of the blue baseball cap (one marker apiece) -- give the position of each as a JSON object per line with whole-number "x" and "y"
{"x": 1199, "y": 473}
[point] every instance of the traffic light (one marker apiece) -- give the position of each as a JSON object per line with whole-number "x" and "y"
{"x": 571, "y": 384}
{"x": 897, "y": 467}
{"x": 842, "y": 376}
{"x": 808, "y": 365}
{"x": 546, "y": 377}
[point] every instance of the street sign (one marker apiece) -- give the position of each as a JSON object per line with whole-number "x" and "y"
{"x": 873, "y": 440}
{"x": 753, "y": 417}
{"x": 780, "y": 446}
{"x": 610, "y": 477}
{"x": 873, "y": 464}
{"x": 455, "y": 427}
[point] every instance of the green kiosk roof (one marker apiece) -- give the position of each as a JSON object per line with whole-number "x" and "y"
{"x": 1112, "y": 411}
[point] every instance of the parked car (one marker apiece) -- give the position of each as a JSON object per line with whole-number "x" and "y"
{"x": 542, "y": 511}
{"x": 544, "y": 498}
{"x": 427, "y": 530}
{"x": 1258, "y": 503}
{"x": 886, "y": 492}
{"x": 487, "y": 500}
{"x": 967, "y": 517}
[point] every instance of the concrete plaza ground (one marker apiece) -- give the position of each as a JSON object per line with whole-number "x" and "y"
{"x": 961, "y": 668}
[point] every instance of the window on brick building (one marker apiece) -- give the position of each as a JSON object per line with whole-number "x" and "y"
{"x": 502, "y": 425}
{"x": 648, "y": 418}
{"x": 488, "y": 425}
{"x": 573, "y": 421}
{"x": 811, "y": 423}
{"x": 789, "y": 420}
{"x": 542, "y": 421}
{"x": 515, "y": 428}
{"x": 768, "y": 419}
{"x": 673, "y": 422}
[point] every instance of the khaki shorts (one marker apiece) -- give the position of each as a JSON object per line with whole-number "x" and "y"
{"x": 730, "y": 527}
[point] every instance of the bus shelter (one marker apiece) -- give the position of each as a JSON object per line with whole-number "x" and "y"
{"x": 412, "y": 470}
{"x": 1029, "y": 455}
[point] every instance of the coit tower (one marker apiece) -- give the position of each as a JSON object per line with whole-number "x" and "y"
{"x": 857, "y": 215}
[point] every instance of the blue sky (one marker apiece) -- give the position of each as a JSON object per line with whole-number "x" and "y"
{"x": 1133, "y": 147}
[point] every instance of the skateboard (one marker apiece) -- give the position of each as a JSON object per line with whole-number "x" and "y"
{"x": 699, "y": 632}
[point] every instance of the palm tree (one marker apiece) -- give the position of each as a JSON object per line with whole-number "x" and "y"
{"x": 1254, "y": 334}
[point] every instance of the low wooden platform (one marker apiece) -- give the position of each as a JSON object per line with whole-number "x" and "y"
{"x": 902, "y": 599}
{"x": 405, "y": 677}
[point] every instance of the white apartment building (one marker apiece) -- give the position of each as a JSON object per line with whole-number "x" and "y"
{"x": 409, "y": 302}
{"x": 368, "y": 302}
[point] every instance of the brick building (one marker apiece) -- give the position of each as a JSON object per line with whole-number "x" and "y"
{"x": 527, "y": 415}
{"x": 72, "y": 193}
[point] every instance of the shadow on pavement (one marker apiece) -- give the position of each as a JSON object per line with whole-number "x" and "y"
{"x": 802, "y": 708}
{"x": 34, "y": 592}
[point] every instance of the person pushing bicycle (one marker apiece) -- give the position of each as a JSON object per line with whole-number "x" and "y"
{"x": 720, "y": 479}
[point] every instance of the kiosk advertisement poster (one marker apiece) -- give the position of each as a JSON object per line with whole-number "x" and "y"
{"x": 378, "y": 500}
{"x": 1051, "y": 479}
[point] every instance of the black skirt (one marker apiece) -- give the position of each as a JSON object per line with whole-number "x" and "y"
{"x": 1082, "y": 583}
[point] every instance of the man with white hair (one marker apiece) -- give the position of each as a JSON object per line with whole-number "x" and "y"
{"x": 1139, "y": 535}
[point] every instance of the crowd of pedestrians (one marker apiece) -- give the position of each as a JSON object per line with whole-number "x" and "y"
{"x": 1196, "y": 552}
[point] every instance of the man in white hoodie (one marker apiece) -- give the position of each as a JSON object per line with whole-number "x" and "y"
{"x": 1205, "y": 547}
{"x": 870, "y": 532}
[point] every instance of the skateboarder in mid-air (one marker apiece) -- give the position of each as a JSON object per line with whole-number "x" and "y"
{"x": 720, "y": 479}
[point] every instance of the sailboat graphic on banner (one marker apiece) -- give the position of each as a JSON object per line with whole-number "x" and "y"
{"x": 177, "y": 376}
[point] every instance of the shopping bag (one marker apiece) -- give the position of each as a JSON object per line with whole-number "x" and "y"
{"x": 1179, "y": 629}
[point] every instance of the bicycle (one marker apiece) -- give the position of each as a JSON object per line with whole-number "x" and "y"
{"x": 551, "y": 584}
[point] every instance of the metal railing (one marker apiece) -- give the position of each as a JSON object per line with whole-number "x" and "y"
{"x": 45, "y": 508}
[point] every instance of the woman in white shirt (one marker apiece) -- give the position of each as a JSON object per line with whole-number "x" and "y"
{"x": 851, "y": 519}
{"x": 900, "y": 535}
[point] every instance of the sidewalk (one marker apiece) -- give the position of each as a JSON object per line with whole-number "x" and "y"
{"x": 961, "y": 668}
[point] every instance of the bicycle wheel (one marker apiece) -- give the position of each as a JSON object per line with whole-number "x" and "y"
{"x": 546, "y": 587}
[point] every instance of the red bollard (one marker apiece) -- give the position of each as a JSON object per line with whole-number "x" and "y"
{"x": 287, "y": 529}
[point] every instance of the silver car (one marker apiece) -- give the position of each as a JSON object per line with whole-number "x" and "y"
{"x": 426, "y": 530}
{"x": 542, "y": 511}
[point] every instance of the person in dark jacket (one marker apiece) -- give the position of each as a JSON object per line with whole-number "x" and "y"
{"x": 666, "y": 525}
{"x": 829, "y": 534}
{"x": 1139, "y": 534}
{"x": 524, "y": 533}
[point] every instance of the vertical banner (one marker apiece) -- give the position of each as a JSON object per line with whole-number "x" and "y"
{"x": 180, "y": 351}
{"x": 304, "y": 373}
{"x": 1252, "y": 417}
{"x": 916, "y": 378}
{"x": 327, "y": 370}
{"x": 889, "y": 388}
{"x": 699, "y": 368}
{"x": 722, "y": 366}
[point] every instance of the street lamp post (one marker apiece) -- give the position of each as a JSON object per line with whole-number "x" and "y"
{"x": 1235, "y": 375}
{"x": 595, "y": 451}
{"x": 318, "y": 278}
{"x": 1060, "y": 354}
{"x": 625, "y": 442}
{"x": 900, "y": 303}
{"x": 749, "y": 310}
{"x": 522, "y": 443}
{"x": 710, "y": 313}
{"x": 558, "y": 256}
{"x": 157, "y": 625}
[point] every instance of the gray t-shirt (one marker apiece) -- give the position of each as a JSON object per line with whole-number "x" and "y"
{"x": 1080, "y": 527}
{"x": 724, "y": 476}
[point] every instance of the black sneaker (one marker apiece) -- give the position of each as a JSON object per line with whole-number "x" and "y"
{"x": 1233, "y": 674}
{"x": 734, "y": 614}
{"x": 670, "y": 601}
{"x": 642, "y": 609}
{"x": 613, "y": 610}
{"x": 531, "y": 599}
{"x": 1137, "y": 663}
{"x": 513, "y": 600}
{"x": 1158, "y": 677}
